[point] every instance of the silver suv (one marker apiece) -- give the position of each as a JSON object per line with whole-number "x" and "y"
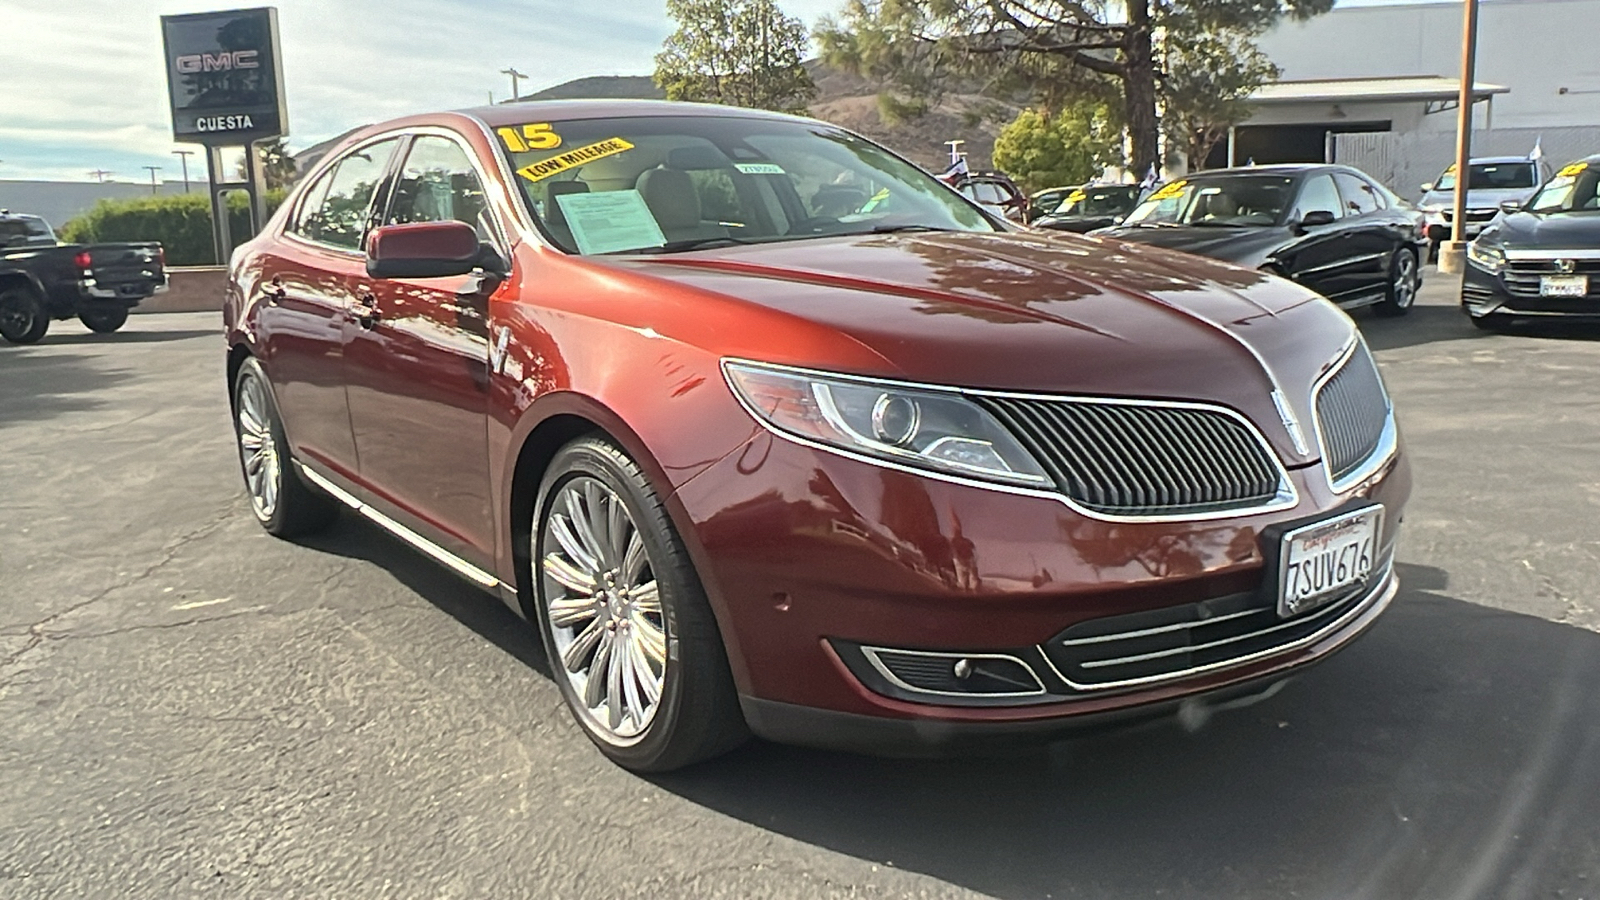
{"x": 1492, "y": 180}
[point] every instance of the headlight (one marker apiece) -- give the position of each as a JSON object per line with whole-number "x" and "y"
{"x": 1487, "y": 257}
{"x": 927, "y": 429}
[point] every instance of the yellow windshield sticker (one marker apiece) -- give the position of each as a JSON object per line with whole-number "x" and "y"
{"x": 1573, "y": 170}
{"x": 572, "y": 159}
{"x": 1170, "y": 191}
{"x": 1075, "y": 197}
{"x": 535, "y": 136}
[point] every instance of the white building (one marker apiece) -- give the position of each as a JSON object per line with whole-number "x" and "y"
{"x": 1394, "y": 70}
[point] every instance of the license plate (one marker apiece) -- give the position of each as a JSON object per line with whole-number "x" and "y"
{"x": 1318, "y": 563}
{"x": 1563, "y": 285}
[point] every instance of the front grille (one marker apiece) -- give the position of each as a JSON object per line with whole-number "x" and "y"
{"x": 1522, "y": 276}
{"x": 1144, "y": 459}
{"x": 1476, "y": 216}
{"x": 1119, "y": 651}
{"x": 1352, "y": 412}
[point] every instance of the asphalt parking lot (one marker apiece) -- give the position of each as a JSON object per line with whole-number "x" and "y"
{"x": 189, "y": 707}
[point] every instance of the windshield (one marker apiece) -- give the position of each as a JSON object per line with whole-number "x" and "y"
{"x": 1114, "y": 200}
{"x": 668, "y": 183}
{"x": 1492, "y": 177}
{"x": 1575, "y": 188}
{"x": 20, "y": 230}
{"x": 1232, "y": 200}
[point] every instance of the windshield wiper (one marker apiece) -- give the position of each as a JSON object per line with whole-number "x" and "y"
{"x": 692, "y": 244}
{"x": 1215, "y": 224}
{"x": 894, "y": 229}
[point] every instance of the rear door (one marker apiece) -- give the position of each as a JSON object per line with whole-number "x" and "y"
{"x": 306, "y": 278}
{"x": 418, "y": 370}
{"x": 1369, "y": 233}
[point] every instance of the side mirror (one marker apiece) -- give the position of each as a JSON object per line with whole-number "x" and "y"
{"x": 1426, "y": 187}
{"x": 1510, "y": 206}
{"x": 1316, "y": 219}
{"x": 422, "y": 250}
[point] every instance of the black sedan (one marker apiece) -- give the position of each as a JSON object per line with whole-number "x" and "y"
{"x": 1540, "y": 259}
{"x": 1330, "y": 228}
{"x": 1092, "y": 206}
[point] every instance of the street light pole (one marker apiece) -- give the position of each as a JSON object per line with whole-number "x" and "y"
{"x": 152, "y": 170}
{"x": 1453, "y": 258}
{"x": 184, "y": 156}
{"x": 516, "y": 77}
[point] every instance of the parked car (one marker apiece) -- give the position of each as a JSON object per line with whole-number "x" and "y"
{"x": 42, "y": 279}
{"x": 1540, "y": 259}
{"x": 897, "y": 479}
{"x": 1491, "y": 182}
{"x": 1330, "y": 228}
{"x": 1043, "y": 203}
{"x": 1092, "y": 206}
{"x": 995, "y": 192}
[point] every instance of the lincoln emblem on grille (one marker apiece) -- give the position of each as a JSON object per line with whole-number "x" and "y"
{"x": 1290, "y": 423}
{"x": 1566, "y": 266}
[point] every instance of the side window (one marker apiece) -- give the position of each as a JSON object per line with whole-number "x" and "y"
{"x": 1318, "y": 193}
{"x": 438, "y": 184}
{"x": 1359, "y": 197}
{"x": 341, "y": 217}
{"x": 309, "y": 206}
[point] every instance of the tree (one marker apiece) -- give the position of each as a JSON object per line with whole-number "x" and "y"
{"x": 737, "y": 52}
{"x": 1072, "y": 147}
{"x": 277, "y": 166}
{"x": 916, "y": 42}
{"x": 1206, "y": 88}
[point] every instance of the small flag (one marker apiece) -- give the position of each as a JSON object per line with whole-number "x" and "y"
{"x": 1537, "y": 153}
{"x": 1150, "y": 178}
{"x": 954, "y": 173}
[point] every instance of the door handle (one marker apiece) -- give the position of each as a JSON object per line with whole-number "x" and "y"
{"x": 275, "y": 292}
{"x": 365, "y": 311}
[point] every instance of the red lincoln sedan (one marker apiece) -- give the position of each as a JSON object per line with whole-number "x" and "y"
{"x": 767, "y": 431}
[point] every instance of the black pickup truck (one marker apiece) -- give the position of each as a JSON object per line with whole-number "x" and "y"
{"x": 42, "y": 279}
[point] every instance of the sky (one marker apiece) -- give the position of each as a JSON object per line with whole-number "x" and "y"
{"x": 83, "y": 85}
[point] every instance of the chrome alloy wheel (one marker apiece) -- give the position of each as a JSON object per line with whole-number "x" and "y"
{"x": 258, "y": 450}
{"x": 604, "y": 609}
{"x": 1405, "y": 280}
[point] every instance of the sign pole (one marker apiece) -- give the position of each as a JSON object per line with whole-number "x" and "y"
{"x": 1453, "y": 258}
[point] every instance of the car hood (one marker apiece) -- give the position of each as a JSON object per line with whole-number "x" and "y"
{"x": 1249, "y": 246}
{"x": 1057, "y": 314}
{"x": 1482, "y": 198}
{"x": 1577, "y": 231}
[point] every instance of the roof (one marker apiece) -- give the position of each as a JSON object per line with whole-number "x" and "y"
{"x": 1335, "y": 90}
{"x": 1269, "y": 169}
{"x": 523, "y": 111}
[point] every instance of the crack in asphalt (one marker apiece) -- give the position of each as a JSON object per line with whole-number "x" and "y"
{"x": 37, "y": 632}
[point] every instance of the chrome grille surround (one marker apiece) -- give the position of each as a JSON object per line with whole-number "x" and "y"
{"x": 1354, "y": 418}
{"x": 1147, "y": 459}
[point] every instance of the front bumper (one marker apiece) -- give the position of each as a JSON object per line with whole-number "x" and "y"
{"x": 819, "y": 557}
{"x": 1514, "y": 291}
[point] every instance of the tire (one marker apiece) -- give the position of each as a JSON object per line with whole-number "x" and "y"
{"x": 22, "y": 316}
{"x": 283, "y": 504}
{"x": 104, "y": 321}
{"x": 1405, "y": 278}
{"x": 600, "y": 540}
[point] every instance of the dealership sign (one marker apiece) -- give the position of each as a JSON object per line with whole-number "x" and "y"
{"x": 224, "y": 76}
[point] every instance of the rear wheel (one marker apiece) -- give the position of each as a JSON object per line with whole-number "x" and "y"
{"x": 22, "y": 316}
{"x": 282, "y": 503}
{"x": 630, "y": 636}
{"x": 104, "y": 321}
{"x": 1405, "y": 277}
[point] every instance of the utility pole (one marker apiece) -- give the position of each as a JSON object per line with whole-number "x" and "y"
{"x": 152, "y": 170}
{"x": 1453, "y": 259}
{"x": 99, "y": 175}
{"x": 184, "y": 156}
{"x": 516, "y": 77}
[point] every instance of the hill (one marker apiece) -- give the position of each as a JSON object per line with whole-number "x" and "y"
{"x": 852, "y": 102}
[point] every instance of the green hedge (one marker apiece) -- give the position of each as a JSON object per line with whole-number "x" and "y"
{"x": 181, "y": 222}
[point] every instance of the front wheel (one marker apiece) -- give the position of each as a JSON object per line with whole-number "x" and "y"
{"x": 22, "y": 316}
{"x": 283, "y": 504}
{"x": 629, "y": 634}
{"x": 105, "y": 321}
{"x": 1405, "y": 277}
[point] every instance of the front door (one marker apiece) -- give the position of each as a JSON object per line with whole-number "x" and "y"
{"x": 417, "y": 370}
{"x": 1320, "y": 259}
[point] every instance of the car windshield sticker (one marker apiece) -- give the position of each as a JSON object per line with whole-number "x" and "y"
{"x": 877, "y": 199}
{"x": 536, "y": 136}
{"x": 572, "y": 159}
{"x": 1075, "y": 197}
{"x": 759, "y": 168}
{"x": 1170, "y": 191}
{"x": 609, "y": 221}
{"x": 1573, "y": 170}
